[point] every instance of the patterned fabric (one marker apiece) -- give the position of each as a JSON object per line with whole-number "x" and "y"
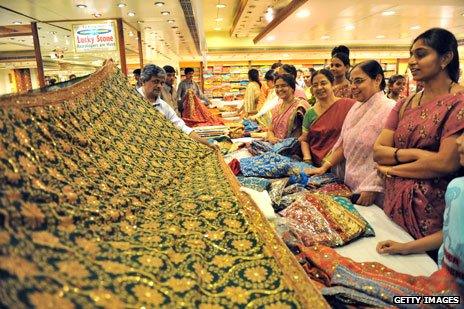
{"x": 287, "y": 119}
{"x": 224, "y": 143}
{"x": 234, "y": 166}
{"x": 370, "y": 282}
{"x": 196, "y": 114}
{"x": 255, "y": 183}
{"x": 105, "y": 203}
{"x": 264, "y": 116}
{"x": 343, "y": 201}
{"x": 270, "y": 165}
{"x": 335, "y": 189}
{"x": 251, "y": 96}
{"x": 417, "y": 205}
{"x": 317, "y": 218}
{"x": 250, "y": 125}
{"x": 284, "y": 147}
{"x": 360, "y": 130}
{"x": 343, "y": 91}
{"x": 451, "y": 254}
{"x": 276, "y": 189}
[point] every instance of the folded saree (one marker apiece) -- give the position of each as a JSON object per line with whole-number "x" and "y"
{"x": 196, "y": 113}
{"x": 105, "y": 203}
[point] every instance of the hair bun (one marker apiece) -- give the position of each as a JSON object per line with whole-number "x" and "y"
{"x": 341, "y": 49}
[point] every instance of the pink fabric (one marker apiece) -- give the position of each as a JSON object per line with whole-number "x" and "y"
{"x": 300, "y": 93}
{"x": 283, "y": 121}
{"x": 360, "y": 130}
{"x": 418, "y": 204}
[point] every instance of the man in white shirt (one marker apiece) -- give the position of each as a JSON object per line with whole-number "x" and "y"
{"x": 152, "y": 78}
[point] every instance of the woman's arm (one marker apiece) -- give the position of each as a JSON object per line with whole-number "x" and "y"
{"x": 333, "y": 159}
{"x": 430, "y": 242}
{"x": 435, "y": 164}
{"x": 305, "y": 147}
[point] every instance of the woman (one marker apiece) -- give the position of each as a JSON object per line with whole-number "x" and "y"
{"x": 323, "y": 123}
{"x": 287, "y": 116}
{"x": 252, "y": 92}
{"x": 290, "y": 69}
{"x": 361, "y": 128}
{"x": 396, "y": 85}
{"x": 417, "y": 149}
{"x": 271, "y": 100}
{"x": 339, "y": 66}
{"x": 307, "y": 88}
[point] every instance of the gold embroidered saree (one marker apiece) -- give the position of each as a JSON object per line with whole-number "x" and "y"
{"x": 106, "y": 203}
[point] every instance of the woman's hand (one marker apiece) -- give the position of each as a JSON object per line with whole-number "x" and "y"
{"x": 315, "y": 171}
{"x": 273, "y": 140}
{"x": 384, "y": 170}
{"x": 392, "y": 247}
{"x": 366, "y": 198}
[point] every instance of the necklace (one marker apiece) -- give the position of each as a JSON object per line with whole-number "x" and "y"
{"x": 422, "y": 93}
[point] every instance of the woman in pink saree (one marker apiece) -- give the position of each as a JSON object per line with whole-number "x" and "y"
{"x": 360, "y": 130}
{"x": 287, "y": 116}
{"x": 417, "y": 150}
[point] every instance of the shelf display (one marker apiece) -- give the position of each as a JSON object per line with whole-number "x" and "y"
{"x": 225, "y": 82}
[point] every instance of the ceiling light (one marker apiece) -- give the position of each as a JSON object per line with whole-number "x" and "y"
{"x": 325, "y": 37}
{"x": 165, "y": 13}
{"x": 349, "y": 27}
{"x": 97, "y": 15}
{"x": 81, "y": 6}
{"x": 131, "y": 14}
{"x": 220, "y": 5}
{"x": 121, "y": 5}
{"x": 159, "y": 3}
{"x": 147, "y": 27}
{"x": 131, "y": 33}
{"x": 415, "y": 27}
{"x": 270, "y": 38}
{"x": 218, "y": 19}
{"x": 174, "y": 27}
{"x": 52, "y": 32}
{"x": 171, "y": 21}
{"x": 140, "y": 21}
{"x": 217, "y": 28}
{"x": 381, "y": 36}
{"x": 17, "y": 22}
{"x": 55, "y": 39}
{"x": 388, "y": 13}
{"x": 303, "y": 14}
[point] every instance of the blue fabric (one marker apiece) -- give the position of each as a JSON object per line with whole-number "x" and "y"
{"x": 346, "y": 203}
{"x": 255, "y": 183}
{"x": 312, "y": 181}
{"x": 283, "y": 147}
{"x": 271, "y": 165}
{"x": 453, "y": 227}
{"x": 250, "y": 125}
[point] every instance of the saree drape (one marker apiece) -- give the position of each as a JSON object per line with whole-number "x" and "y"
{"x": 196, "y": 113}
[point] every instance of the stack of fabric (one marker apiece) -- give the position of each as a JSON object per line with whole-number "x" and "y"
{"x": 211, "y": 131}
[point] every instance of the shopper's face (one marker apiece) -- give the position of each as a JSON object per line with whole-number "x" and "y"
{"x": 170, "y": 78}
{"x": 283, "y": 90}
{"x": 307, "y": 79}
{"x": 152, "y": 88}
{"x": 362, "y": 86}
{"x": 337, "y": 67}
{"x": 322, "y": 88}
{"x": 189, "y": 75}
{"x": 424, "y": 62}
{"x": 270, "y": 83}
{"x": 460, "y": 142}
{"x": 398, "y": 86}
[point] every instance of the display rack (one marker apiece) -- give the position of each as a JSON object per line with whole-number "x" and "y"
{"x": 226, "y": 82}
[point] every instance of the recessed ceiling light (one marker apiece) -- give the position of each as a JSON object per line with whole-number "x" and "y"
{"x": 388, "y": 13}
{"x": 52, "y": 32}
{"x": 147, "y": 27}
{"x": 381, "y": 36}
{"x": 217, "y": 28}
{"x": 303, "y": 14}
{"x": 171, "y": 21}
{"x": 325, "y": 37}
{"x": 349, "y": 27}
{"x": 97, "y": 15}
{"x": 271, "y": 38}
{"x": 220, "y": 5}
{"x": 131, "y": 33}
{"x": 121, "y": 5}
{"x": 218, "y": 19}
{"x": 415, "y": 27}
{"x": 17, "y": 22}
{"x": 131, "y": 14}
{"x": 81, "y": 6}
{"x": 140, "y": 21}
{"x": 165, "y": 13}
{"x": 159, "y": 3}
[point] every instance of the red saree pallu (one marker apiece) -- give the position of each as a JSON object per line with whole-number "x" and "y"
{"x": 195, "y": 114}
{"x": 325, "y": 130}
{"x": 418, "y": 204}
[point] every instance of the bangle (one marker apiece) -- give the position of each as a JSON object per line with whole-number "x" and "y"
{"x": 327, "y": 161}
{"x": 395, "y": 156}
{"x": 386, "y": 172}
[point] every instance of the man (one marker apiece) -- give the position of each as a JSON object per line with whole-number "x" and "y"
{"x": 185, "y": 85}
{"x": 136, "y": 73}
{"x": 168, "y": 92}
{"x": 299, "y": 78}
{"x": 152, "y": 78}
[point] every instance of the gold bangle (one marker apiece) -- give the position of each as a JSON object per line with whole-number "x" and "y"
{"x": 386, "y": 173}
{"x": 326, "y": 160}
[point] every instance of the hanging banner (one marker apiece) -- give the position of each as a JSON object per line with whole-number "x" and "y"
{"x": 94, "y": 37}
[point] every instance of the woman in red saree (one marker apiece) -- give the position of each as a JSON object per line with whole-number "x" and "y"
{"x": 323, "y": 123}
{"x": 287, "y": 116}
{"x": 417, "y": 150}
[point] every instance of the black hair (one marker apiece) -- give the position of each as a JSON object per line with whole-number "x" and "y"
{"x": 289, "y": 69}
{"x": 188, "y": 70}
{"x": 312, "y": 71}
{"x": 288, "y": 79}
{"x": 343, "y": 57}
{"x": 394, "y": 78}
{"x": 443, "y": 41}
{"x": 169, "y": 69}
{"x": 326, "y": 73}
{"x": 276, "y": 65}
{"x": 253, "y": 75}
{"x": 270, "y": 75}
{"x": 137, "y": 71}
{"x": 372, "y": 68}
{"x": 340, "y": 49}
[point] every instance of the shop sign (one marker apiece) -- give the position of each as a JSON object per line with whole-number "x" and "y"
{"x": 94, "y": 37}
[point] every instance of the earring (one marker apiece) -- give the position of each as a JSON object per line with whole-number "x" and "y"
{"x": 442, "y": 67}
